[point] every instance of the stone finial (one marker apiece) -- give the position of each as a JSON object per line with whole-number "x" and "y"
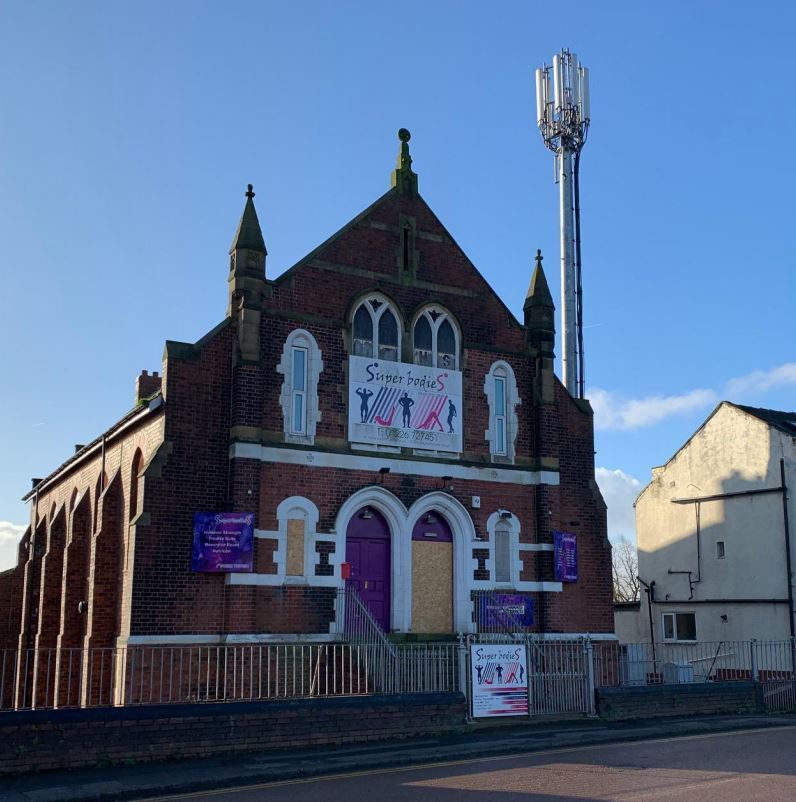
{"x": 249, "y": 235}
{"x": 538, "y": 290}
{"x": 403, "y": 178}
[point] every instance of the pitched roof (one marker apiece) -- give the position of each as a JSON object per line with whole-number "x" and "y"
{"x": 784, "y": 421}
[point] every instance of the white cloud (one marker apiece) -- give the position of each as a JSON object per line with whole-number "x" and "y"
{"x": 619, "y": 490}
{"x": 9, "y": 540}
{"x": 761, "y": 381}
{"x": 612, "y": 411}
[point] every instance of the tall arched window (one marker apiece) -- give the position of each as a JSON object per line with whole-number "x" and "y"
{"x": 376, "y": 330}
{"x": 436, "y": 339}
{"x": 500, "y": 388}
{"x": 301, "y": 365}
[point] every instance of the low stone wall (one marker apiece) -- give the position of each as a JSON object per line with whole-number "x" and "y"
{"x": 52, "y": 739}
{"x": 703, "y": 698}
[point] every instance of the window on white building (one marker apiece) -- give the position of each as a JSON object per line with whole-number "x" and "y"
{"x": 679, "y": 626}
{"x": 376, "y": 332}
{"x": 436, "y": 339}
{"x": 720, "y": 549}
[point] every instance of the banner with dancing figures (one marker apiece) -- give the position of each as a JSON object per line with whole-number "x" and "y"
{"x": 406, "y": 405}
{"x": 499, "y": 680}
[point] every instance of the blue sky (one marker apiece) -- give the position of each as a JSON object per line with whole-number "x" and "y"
{"x": 128, "y": 133}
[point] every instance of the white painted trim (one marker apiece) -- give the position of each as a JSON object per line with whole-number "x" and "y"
{"x": 395, "y": 514}
{"x": 300, "y": 338}
{"x": 362, "y": 462}
{"x": 463, "y": 530}
{"x": 503, "y": 370}
{"x": 176, "y": 640}
{"x": 537, "y": 547}
{"x": 212, "y": 640}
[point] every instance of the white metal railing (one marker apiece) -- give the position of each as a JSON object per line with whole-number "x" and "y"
{"x": 391, "y": 667}
{"x": 560, "y": 673}
{"x": 618, "y": 664}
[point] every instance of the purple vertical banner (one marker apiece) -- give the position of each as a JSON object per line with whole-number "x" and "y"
{"x": 223, "y": 542}
{"x": 565, "y": 556}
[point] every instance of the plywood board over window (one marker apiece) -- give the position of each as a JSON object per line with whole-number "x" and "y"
{"x": 295, "y": 548}
{"x": 432, "y": 587}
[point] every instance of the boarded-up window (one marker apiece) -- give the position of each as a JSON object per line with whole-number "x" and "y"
{"x": 295, "y": 547}
{"x": 502, "y": 554}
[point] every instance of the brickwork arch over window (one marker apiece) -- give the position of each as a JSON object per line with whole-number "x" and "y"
{"x": 301, "y": 365}
{"x": 436, "y": 339}
{"x": 376, "y": 329}
{"x": 500, "y": 388}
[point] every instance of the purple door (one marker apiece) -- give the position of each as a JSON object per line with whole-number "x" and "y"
{"x": 368, "y": 553}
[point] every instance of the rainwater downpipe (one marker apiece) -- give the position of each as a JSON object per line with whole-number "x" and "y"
{"x": 787, "y": 544}
{"x": 650, "y": 591}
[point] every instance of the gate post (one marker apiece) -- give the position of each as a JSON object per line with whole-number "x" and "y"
{"x": 464, "y": 674}
{"x": 588, "y": 647}
{"x": 753, "y": 650}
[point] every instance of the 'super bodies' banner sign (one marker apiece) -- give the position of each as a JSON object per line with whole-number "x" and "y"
{"x": 398, "y": 404}
{"x": 500, "y": 680}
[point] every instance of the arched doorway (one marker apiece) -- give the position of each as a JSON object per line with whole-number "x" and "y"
{"x": 367, "y": 551}
{"x": 432, "y": 574}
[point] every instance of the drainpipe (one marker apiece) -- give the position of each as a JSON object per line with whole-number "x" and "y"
{"x": 650, "y": 591}
{"x": 787, "y": 545}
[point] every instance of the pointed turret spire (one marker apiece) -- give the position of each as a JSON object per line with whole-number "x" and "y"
{"x": 247, "y": 285}
{"x": 249, "y": 234}
{"x": 538, "y": 291}
{"x": 540, "y": 322}
{"x": 403, "y": 178}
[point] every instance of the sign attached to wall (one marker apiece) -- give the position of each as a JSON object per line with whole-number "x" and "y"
{"x": 500, "y": 680}
{"x": 565, "y": 557}
{"x": 397, "y": 404}
{"x": 223, "y": 542}
{"x": 504, "y": 611}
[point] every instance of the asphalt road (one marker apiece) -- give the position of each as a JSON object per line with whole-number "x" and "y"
{"x": 746, "y": 765}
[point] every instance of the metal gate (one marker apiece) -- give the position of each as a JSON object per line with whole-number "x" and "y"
{"x": 560, "y": 674}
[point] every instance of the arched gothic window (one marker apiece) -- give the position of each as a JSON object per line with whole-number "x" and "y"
{"x": 500, "y": 388}
{"x": 376, "y": 331}
{"x": 436, "y": 339}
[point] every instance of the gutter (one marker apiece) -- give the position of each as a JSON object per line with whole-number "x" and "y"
{"x": 97, "y": 446}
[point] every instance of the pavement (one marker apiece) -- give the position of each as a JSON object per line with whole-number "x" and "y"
{"x": 484, "y": 740}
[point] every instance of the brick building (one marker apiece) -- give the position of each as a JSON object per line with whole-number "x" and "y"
{"x": 378, "y": 409}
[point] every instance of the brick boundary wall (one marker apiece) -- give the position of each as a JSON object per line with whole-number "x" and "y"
{"x": 58, "y": 739}
{"x": 700, "y": 699}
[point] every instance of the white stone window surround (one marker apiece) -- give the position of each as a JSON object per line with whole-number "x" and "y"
{"x": 436, "y": 314}
{"x": 300, "y": 338}
{"x": 376, "y": 304}
{"x": 502, "y": 370}
{"x": 512, "y": 523}
{"x": 302, "y": 509}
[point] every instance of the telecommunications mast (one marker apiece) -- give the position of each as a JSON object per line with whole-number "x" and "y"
{"x": 563, "y": 116}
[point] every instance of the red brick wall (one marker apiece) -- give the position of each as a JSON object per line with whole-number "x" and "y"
{"x": 75, "y": 738}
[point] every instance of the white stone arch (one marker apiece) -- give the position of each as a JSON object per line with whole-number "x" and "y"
{"x": 395, "y": 514}
{"x": 300, "y": 338}
{"x": 301, "y": 508}
{"x": 503, "y": 370}
{"x": 512, "y": 522}
{"x": 464, "y": 536}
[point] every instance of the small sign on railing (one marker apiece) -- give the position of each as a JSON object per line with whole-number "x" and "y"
{"x": 499, "y": 680}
